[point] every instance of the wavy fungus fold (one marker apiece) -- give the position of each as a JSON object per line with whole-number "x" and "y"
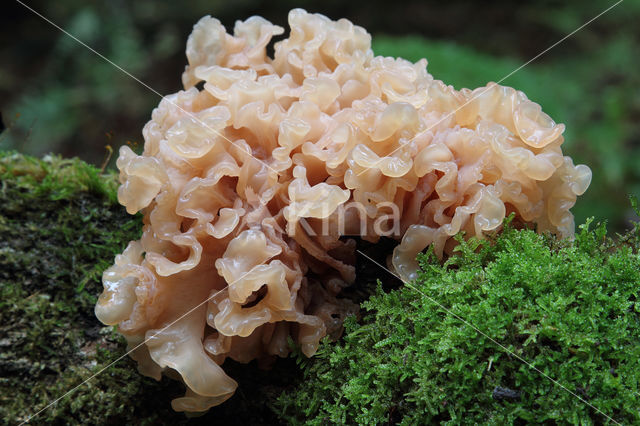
{"x": 251, "y": 186}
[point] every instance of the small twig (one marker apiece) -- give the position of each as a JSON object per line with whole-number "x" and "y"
{"x": 107, "y": 158}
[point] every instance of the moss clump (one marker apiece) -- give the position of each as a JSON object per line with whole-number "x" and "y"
{"x": 60, "y": 227}
{"x": 571, "y": 309}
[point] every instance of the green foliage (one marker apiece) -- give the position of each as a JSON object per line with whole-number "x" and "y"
{"x": 570, "y": 309}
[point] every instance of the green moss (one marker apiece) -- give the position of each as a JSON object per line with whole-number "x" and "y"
{"x": 60, "y": 227}
{"x": 569, "y": 309}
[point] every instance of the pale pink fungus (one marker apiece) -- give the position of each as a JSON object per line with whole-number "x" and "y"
{"x": 237, "y": 181}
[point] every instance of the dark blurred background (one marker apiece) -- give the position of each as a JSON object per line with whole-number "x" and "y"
{"x": 57, "y": 96}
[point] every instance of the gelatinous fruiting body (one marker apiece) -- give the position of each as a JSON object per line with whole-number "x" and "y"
{"x": 248, "y": 185}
